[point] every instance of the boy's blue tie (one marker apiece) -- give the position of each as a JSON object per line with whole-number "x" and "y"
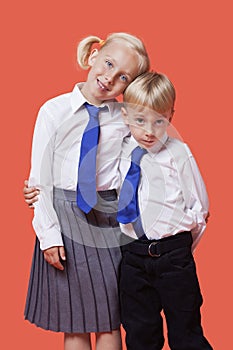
{"x": 128, "y": 209}
{"x": 86, "y": 187}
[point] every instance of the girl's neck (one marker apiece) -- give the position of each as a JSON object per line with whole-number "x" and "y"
{"x": 90, "y": 98}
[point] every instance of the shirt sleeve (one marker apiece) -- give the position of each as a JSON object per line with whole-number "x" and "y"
{"x": 196, "y": 198}
{"x": 45, "y": 221}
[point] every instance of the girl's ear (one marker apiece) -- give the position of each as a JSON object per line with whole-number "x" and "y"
{"x": 124, "y": 115}
{"x": 92, "y": 57}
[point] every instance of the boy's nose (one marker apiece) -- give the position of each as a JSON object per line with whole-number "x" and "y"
{"x": 149, "y": 131}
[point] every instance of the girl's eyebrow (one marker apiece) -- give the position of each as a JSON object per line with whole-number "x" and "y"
{"x": 114, "y": 62}
{"x": 128, "y": 74}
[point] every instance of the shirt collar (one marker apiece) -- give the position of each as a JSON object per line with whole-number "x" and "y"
{"x": 132, "y": 144}
{"x": 158, "y": 146}
{"x": 77, "y": 100}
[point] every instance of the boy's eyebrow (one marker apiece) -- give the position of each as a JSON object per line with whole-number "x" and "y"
{"x": 138, "y": 114}
{"x": 137, "y": 111}
{"x": 137, "y": 108}
{"x": 142, "y": 114}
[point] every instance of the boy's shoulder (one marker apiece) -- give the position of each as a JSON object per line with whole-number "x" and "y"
{"x": 178, "y": 149}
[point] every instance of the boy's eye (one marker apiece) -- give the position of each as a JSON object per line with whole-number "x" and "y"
{"x": 159, "y": 122}
{"x": 140, "y": 121}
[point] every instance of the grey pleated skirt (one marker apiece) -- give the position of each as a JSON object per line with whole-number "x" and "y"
{"x": 84, "y": 297}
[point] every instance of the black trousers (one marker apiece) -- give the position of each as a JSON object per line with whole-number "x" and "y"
{"x": 149, "y": 285}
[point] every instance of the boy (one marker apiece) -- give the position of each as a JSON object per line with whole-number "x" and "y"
{"x": 162, "y": 222}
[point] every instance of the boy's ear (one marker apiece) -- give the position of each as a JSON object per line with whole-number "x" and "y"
{"x": 124, "y": 115}
{"x": 172, "y": 114}
{"x": 92, "y": 57}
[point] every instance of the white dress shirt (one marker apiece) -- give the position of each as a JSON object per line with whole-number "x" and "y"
{"x": 172, "y": 195}
{"x": 55, "y": 155}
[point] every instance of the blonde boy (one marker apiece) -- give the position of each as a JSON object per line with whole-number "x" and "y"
{"x": 162, "y": 222}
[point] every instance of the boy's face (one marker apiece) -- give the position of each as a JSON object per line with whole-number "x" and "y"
{"x": 146, "y": 125}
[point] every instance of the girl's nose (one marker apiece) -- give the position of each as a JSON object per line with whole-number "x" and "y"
{"x": 109, "y": 77}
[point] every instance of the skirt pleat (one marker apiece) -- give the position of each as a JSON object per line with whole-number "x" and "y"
{"x": 84, "y": 297}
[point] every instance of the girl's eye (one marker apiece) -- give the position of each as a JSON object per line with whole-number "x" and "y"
{"x": 124, "y": 78}
{"x": 108, "y": 63}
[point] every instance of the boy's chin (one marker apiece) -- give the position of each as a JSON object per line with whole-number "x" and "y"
{"x": 148, "y": 144}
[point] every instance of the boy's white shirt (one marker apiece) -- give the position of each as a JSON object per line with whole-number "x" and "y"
{"x": 55, "y": 155}
{"x": 172, "y": 195}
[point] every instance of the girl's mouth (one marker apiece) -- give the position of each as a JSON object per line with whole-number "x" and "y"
{"x": 101, "y": 85}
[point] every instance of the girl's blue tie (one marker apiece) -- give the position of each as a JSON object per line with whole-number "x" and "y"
{"x": 86, "y": 187}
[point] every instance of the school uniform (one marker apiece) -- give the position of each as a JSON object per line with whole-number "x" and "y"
{"x": 158, "y": 270}
{"x": 84, "y": 297}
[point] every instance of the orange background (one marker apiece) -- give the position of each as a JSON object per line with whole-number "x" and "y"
{"x": 190, "y": 41}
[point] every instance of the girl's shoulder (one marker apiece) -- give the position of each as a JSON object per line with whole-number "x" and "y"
{"x": 53, "y": 111}
{"x": 57, "y": 102}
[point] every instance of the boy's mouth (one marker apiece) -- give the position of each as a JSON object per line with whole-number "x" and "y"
{"x": 148, "y": 142}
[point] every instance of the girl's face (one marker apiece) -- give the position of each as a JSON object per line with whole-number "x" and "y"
{"x": 112, "y": 69}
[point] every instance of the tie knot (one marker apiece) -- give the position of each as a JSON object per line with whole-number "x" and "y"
{"x": 92, "y": 110}
{"x": 137, "y": 154}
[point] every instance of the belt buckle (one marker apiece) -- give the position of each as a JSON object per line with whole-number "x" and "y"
{"x": 149, "y": 250}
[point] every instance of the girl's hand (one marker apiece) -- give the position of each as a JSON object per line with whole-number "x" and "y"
{"x": 54, "y": 255}
{"x": 30, "y": 194}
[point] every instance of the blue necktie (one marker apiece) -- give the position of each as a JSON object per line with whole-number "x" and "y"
{"x": 86, "y": 187}
{"x": 128, "y": 209}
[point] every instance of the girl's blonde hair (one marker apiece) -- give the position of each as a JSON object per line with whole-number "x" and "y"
{"x": 85, "y": 47}
{"x": 152, "y": 90}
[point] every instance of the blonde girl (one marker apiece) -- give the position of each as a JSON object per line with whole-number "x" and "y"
{"x": 73, "y": 286}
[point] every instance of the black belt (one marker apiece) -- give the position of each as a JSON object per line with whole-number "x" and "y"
{"x": 108, "y": 195}
{"x": 156, "y": 248}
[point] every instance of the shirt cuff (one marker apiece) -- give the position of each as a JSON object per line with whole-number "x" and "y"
{"x": 49, "y": 238}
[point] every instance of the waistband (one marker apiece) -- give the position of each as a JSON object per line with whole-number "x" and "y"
{"x": 59, "y": 193}
{"x": 156, "y": 248}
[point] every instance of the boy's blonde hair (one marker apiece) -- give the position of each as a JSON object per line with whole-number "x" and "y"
{"x": 85, "y": 47}
{"x": 153, "y": 90}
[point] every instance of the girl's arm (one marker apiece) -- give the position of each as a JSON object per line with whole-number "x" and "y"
{"x": 52, "y": 255}
{"x": 45, "y": 221}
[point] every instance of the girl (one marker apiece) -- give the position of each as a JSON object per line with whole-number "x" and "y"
{"x": 73, "y": 286}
